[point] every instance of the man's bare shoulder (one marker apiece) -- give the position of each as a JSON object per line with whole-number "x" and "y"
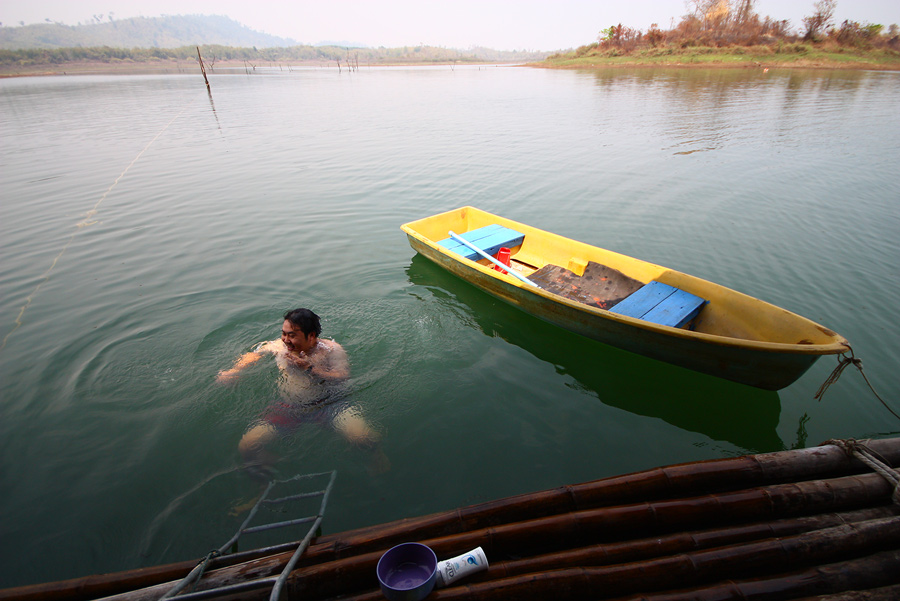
{"x": 331, "y": 345}
{"x": 332, "y": 361}
{"x": 334, "y": 350}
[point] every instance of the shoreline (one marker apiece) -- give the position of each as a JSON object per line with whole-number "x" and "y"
{"x": 191, "y": 67}
{"x": 795, "y": 56}
{"x": 814, "y": 65}
{"x": 596, "y": 63}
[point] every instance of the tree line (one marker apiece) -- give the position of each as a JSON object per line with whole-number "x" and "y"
{"x": 213, "y": 54}
{"x": 723, "y": 23}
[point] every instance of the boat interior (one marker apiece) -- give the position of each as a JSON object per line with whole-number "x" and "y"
{"x": 594, "y": 284}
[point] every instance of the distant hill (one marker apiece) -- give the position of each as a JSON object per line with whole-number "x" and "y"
{"x": 140, "y": 32}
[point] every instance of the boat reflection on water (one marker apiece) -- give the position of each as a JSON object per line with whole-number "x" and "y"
{"x": 722, "y": 410}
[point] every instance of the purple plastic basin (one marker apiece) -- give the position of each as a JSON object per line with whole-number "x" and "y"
{"x": 407, "y": 572}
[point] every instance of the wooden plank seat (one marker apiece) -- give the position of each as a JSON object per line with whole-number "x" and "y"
{"x": 662, "y": 304}
{"x": 599, "y": 286}
{"x": 489, "y": 238}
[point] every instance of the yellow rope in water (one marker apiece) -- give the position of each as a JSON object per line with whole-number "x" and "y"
{"x": 80, "y": 225}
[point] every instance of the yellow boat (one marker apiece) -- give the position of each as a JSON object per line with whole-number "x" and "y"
{"x": 625, "y": 302}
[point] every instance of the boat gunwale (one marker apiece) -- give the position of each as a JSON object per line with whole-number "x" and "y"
{"x": 840, "y": 344}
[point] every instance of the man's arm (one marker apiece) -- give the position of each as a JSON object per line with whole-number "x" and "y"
{"x": 333, "y": 365}
{"x": 228, "y": 376}
{"x": 337, "y": 367}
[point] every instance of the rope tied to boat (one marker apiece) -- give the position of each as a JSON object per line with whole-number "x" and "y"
{"x": 843, "y": 362}
{"x": 858, "y": 449}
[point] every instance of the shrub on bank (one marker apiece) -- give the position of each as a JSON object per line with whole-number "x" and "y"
{"x": 732, "y": 27}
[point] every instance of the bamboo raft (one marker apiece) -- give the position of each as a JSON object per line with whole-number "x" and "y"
{"x": 817, "y": 523}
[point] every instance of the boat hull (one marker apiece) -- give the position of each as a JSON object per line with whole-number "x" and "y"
{"x": 766, "y": 365}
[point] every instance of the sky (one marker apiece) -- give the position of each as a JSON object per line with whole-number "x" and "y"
{"x": 462, "y": 24}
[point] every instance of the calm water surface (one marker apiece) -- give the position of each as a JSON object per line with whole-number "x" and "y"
{"x": 151, "y": 233}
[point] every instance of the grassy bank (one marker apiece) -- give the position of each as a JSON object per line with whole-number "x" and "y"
{"x": 793, "y": 55}
{"x": 797, "y": 55}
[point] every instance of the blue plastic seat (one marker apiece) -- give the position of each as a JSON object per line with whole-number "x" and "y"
{"x": 489, "y": 238}
{"x": 662, "y": 304}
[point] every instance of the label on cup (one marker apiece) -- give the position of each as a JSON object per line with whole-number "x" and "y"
{"x": 461, "y": 566}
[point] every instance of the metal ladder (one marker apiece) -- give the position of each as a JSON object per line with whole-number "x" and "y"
{"x": 276, "y": 582}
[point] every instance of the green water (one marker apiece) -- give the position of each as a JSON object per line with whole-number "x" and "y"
{"x": 151, "y": 233}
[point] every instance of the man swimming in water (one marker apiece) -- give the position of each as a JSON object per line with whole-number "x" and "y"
{"x": 312, "y": 371}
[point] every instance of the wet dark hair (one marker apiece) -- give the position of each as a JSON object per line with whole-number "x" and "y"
{"x": 306, "y": 320}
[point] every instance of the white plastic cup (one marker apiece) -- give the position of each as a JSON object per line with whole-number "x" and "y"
{"x": 451, "y": 570}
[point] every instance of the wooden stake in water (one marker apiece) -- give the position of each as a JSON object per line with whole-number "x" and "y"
{"x": 202, "y": 67}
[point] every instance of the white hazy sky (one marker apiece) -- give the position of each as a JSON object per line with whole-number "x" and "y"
{"x": 498, "y": 24}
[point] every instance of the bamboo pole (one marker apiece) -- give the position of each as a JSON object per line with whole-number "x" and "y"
{"x": 640, "y": 519}
{"x": 840, "y": 544}
{"x": 102, "y": 585}
{"x": 659, "y": 483}
{"x": 878, "y": 571}
{"x": 882, "y": 593}
{"x": 356, "y": 574}
{"x": 689, "y": 479}
{"x": 636, "y": 550}
{"x": 608, "y": 524}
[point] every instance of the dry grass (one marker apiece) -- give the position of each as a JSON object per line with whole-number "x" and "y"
{"x": 794, "y": 54}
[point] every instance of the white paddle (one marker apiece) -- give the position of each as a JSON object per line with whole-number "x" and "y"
{"x": 505, "y": 268}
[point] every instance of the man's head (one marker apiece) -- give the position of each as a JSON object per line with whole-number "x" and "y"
{"x": 300, "y": 330}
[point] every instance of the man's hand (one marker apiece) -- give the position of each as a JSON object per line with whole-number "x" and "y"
{"x": 227, "y": 377}
{"x": 300, "y": 360}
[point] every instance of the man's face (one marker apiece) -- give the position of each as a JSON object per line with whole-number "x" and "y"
{"x": 294, "y": 338}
